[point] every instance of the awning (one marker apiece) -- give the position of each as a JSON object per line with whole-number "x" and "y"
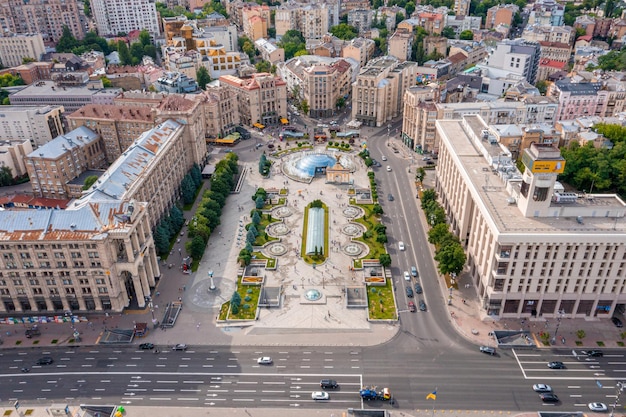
{"x": 259, "y": 126}
{"x": 284, "y": 121}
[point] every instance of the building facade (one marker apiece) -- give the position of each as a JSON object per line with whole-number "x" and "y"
{"x": 378, "y": 90}
{"x": 54, "y": 165}
{"x": 420, "y": 113}
{"x": 501, "y": 14}
{"x": 519, "y": 57}
{"x": 14, "y": 48}
{"x": 400, "y": 45}
{"x": 531, "y": 251}
{"x": 37, "y": 124}
{"x": 323, "y": 85}
{"x": 12, "y": 154}
{"x": 261, "y": 99}
{"x": 42, "y": 16}
{"x": 117, "y": 16}
{"x": 44, "y": 93}
{"x": 98, "y": 257}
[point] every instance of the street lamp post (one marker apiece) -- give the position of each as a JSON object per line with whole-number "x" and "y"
{"x": 558, "y": 323}
{"x": 619, "y": 387}
{"x": 212, "y": 286}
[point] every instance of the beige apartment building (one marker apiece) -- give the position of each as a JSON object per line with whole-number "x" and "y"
{"x": 533, "y": 250}
{"x": 97, "y": 257}
{"x": 501, "y": 14}
{"x": 38, "y": 124}
{"x": 255, "y": 20}
{"x": 400, "y": 45}
{"x": 221, "y": 110}
{"x": 359, "y": 49}
{"x": 560, "y": 34}
{"x": 322, "y": 85}
{"x": 378, "y": 90}
{"x": 555, "y": 51}
{"x": 12, "y": 154}
{"x": 261, "y": 99}
{"x": 420, "y": 113}
{"x": 119, "y": 126}
{"x": 54, "y": 165}
{"x": 461, "y": 7}
{"x": 312, "y": 20}
{"x": 42, "y": 16}
{"x": 14, "y": 48}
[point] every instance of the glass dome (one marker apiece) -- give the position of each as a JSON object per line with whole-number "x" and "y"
{"x": 308, "y": 164}
{"x": 313, "y": 295}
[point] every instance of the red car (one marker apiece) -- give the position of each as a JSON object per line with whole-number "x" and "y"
{"x": 412, "y": 308}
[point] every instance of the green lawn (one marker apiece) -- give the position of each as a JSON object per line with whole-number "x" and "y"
{"x": 249, "y": 313}
{"x": 369, "y": 220}
{"x": 380, "y": 302}
{"x": 260, "y": 239}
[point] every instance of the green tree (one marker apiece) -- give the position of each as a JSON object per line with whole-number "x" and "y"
{"x": 6, "y": 176}
{"x": 377, "y": 210}
{"x": 542, "y": 86}
{"x": 125, "y": 56}
{"x": 263, "y": 66}
{"x": 341, "y": 102}
{"x": 466, "y": 35}
{"x": 150, "y": 50}
{"x": 384, "y": 259}
{"x": 409, "y": 7}
{"x": 136, "y": 51}
{"x": 259, "y": 203}
{"x": 161, "y": 239}
{"x": 304, "y": 106}
{"x": 437, "y": 233}
{"x": 448, "y": 32}
{"x": 344, "y": 31}
{"x": 451, "y": 259}
{"x": 144, "y": 38}
{"x": 292, "y": 41}
{"x": 187, "y": 189}
{"x": 203, "y": 77}
{"x": 399, "y": 17}
{"x": 195, "y": 247}
{"x": 420, "y": 174}
{"x": 89, "y": 181}
{"x": 235, "y": 302}
{"x": 106, "y": 83}
{"x": 67, "y": 41}
{"x": 28, "y": 60}
{"x": 256, "y": 218}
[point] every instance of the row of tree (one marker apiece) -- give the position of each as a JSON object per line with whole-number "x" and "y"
{"x": 448, "y": 250}
{"x": 207, "y": 217}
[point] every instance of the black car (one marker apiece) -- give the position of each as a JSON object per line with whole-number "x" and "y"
{"x": 617, "y": 322}
{"x": 329, "y": 384}
{"x": 418, "y": 288}
{"x": 548, "y": 397}
{"x": 389, "y": 197}
{"x": 146, "y": 346}
{"x": 422, "y": 305}
{"x": 409, "y": 292}
{"x": 593, "y": 353}
{"x": 556, "y": 365}
{"x": 46, "y": 360}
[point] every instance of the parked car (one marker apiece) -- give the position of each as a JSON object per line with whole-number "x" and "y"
{"x": 593, "y": 353}
{"x": 412, "y": 307}
{"x": 422, "y": 305}
{"x": 617, "y": 322}
{"x": 264, "y": 360}
{"x": 407, "y": 277}
{"x": 46, "y": 360}
{"x": 488, "y": 350}
{"x": 414, "y": 271}
{"x": 548, "y": 397}
{"x": 180, "y": 346}
{"x": 598, "y": 407}
{"x": 556, "y": 365}
{"x": 329, "y": 384}
{"x": 320, "y": 395}
{"x": 542, "y": 388}
{"x": 418, "y": 288}
{"x": 384, "y": 158}
{"x": 146, "y": 346}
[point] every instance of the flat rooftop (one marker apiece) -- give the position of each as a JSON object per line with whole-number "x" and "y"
{"x": 490, "y": 193}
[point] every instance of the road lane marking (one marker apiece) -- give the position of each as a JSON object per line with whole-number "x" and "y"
{"x": 244, "y": 390}
{"x": 163, "y": 390}
{"x": 188, "y": 399}
{"x": 271, "y": 391}
{"x": 193, "y": 382}
{"x": 167, "y": 382}
{"x": 247, "y": 382}
{"x": 190, "y": 390}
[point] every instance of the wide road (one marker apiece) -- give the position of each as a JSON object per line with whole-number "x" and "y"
{"x": 411, "y": 366}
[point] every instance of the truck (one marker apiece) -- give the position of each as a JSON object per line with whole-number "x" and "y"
{"x": 371, "y": 393}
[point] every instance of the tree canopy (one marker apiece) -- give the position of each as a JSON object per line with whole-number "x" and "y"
{"x": 292, "y": 42}
{"x": 344, "y": 31}
{"x": 613, "y": 61}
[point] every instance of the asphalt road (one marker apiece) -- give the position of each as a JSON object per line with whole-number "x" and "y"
{"x": 411, "y": 366}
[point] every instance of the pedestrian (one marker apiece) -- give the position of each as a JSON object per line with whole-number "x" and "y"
{"x": 198, "y": 326}
{"x": 185, "y": 289}
{"x": 180, "y": 299}
{"x": 180, "y": 289}
{"x": 158, "y": 293}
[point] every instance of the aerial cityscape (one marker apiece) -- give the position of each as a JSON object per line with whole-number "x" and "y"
{"x": 312, "y": 208}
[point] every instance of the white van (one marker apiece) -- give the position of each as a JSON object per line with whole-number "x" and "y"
{"x": 401, "y": 245}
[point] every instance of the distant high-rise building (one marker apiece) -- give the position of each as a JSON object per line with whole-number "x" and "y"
{"x": 116, "y": 16}
{"x": 517, "y": 56}
{"x": 47, "y": 17}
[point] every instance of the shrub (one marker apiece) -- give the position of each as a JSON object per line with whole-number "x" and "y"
{"x": 247, "y": 298}
{"x": 249, "y": 291}
{"x": 246, "y": 306}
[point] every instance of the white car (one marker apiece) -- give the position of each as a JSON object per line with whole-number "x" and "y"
{"x": 388, "y": 168}
{"x": 598, "y": 407}
{"x": 407, "y": 277}
{"x": 542, "y": 388}
{"x": 320, "y": 395}
{"x": 384, "y": 158}
{"x": 264, "y": 360}
{"x": 401, "y": 245}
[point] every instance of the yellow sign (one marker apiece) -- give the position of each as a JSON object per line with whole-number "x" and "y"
{"x": 284, "y": 121}
{"x": 258, "y": 125}
{"x": 549, "y": 166}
